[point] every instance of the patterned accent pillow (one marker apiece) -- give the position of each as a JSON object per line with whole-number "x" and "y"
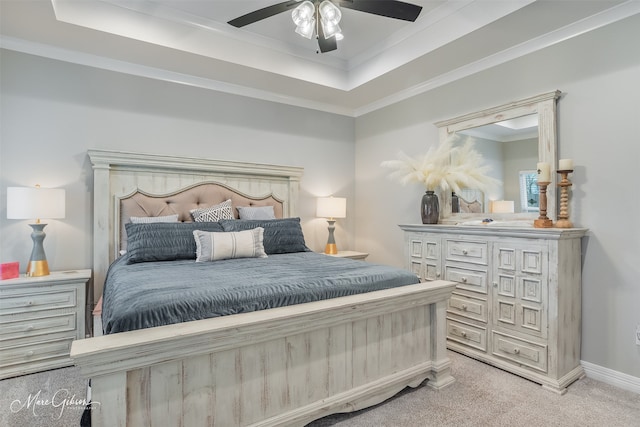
{"x": 153, "y": 219}
{"x": 213, "y": 213}
{"x": 256, "y": 212}
{"x": 213, "y": 246}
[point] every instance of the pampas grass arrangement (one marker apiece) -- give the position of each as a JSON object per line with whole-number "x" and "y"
{"x": 445, "y": 167}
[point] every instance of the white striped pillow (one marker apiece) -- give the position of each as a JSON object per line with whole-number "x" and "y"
{"x": 214, "y": 246}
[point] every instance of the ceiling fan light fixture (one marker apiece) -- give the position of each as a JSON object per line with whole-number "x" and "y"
{"x": 306, "y": 29}
{"x": 303, "y": 14}
{"x": 330, "y": 30}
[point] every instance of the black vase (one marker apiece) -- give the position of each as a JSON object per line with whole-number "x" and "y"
{"x": 430, "y": 208}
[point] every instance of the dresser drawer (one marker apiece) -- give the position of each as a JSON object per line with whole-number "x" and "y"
{"x": 472, "y": 280}
{"x": 54, "y": 349}
{"x": 27, "y": 302}
{"x": 9, "y": 331}
{"x": 467, "y": 334}
{"x": 467, "y": 251}
{"x": 467, "y": 306}
{"x": 525, "y": 353}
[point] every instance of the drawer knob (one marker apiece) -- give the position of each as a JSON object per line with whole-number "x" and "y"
{"x": 495, "y": 284}
{"x": 29, "y": 302}
{"x": 463, "y": 280}
{"x": 464, "y": 307}
{"x": 30, "y": 328}
{"x": 438, "y": 274}
{"x": 516, "y": 351}
{"x": 464, "y": 252}
{"x": 464, "y": 334}
{"x": 29, "y": 353}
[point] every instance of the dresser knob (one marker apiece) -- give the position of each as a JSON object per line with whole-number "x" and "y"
{"x": 29, "y": 353}
{"x": 463, "y": 280}
{"x": 516, "y": 351}
{"x": 30, "y": 328}
{"x": 438, "y": 274}
{"x": 464, "y": 334}
{"x": 495, "y": 284}
{"x": 464, "y": 252}
{"x": 29, "y": 302}
{"x": 464, "y": 307}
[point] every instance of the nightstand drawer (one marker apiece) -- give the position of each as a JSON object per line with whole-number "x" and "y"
{"x": 11, "y": 331}
{"x": 522, "y": 352}
{"x": 26, "y": 302}
{"x": 36, "y": 352}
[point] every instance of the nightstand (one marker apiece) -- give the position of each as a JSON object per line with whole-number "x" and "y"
{"x": 39, "y": 318}
{"x": 350, "y": 254}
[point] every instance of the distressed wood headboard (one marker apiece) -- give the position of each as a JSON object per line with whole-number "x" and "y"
{"x": 118, "y": 175}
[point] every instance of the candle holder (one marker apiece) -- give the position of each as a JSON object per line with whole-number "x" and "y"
{"x": 543, "y": 221}
{"x": 564, "y": 184}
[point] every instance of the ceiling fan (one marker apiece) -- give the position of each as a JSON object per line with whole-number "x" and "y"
{"x": 323, "y": 16}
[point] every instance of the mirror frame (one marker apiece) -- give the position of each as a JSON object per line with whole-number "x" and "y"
{"x": 545, "y": 106}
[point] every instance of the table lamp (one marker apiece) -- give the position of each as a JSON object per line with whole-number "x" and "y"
{"x": 36, "y": 203}
{"x": 331, "y": 208}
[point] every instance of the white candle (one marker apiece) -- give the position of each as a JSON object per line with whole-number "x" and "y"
{"x": 565, "y": 165}
{"x": 544, "y": 172}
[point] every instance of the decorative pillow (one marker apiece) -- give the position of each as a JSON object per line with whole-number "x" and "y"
{"x": 256, "y": 212}
{"x": 150, "y": 219}
{"x": 281, "y": 236}
{"x": 213, "y": 246}
{"x": 213, "y": 213}
{"x": 164, "y": 241}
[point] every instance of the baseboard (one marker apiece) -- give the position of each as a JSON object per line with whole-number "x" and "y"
{"x": 611, "y": 377}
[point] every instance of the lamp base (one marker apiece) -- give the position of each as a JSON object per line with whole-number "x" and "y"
{"x": 543, "y": 223}
{"x": 38, "y": 268}
{"x": 331, "y": 249}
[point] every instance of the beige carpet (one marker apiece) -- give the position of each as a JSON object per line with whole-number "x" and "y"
{"x": 481, "y": 396}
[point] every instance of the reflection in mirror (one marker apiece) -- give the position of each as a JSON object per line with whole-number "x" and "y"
{"x": 509, "y": 147}
{"x": 512, "y": 138}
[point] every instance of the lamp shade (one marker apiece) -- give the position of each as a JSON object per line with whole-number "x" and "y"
{"x": 332, "y": 207}
{"x": 502, "y": 206}
{"x": 35, "y": 203}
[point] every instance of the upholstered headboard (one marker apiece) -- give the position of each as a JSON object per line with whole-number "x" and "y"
{"x": 134, "y": 184}
{"x": 182, "y": 201}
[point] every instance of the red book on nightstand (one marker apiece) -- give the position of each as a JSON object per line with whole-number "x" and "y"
{"x": 9, "y": 270}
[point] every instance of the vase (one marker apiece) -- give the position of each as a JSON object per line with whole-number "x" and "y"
{"x": 430, "y": 208}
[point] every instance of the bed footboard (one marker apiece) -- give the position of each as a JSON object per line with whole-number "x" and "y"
{"x": 284, "y": 366}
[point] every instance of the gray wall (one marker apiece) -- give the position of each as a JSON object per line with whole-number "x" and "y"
{"x": 599, "y": 127}
{"x": 52, "y": 112}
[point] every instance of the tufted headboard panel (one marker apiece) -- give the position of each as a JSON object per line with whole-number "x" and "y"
{"x": 181, "y": 202}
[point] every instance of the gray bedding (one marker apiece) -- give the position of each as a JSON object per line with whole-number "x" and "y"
{"x": 149, "y": 294}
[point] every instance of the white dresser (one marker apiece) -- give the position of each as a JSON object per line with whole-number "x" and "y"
{"x": 517, "y": 305}
{"x": 39, "y": 318}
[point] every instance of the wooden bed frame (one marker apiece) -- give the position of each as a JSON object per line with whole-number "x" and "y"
{"x": 283, "y": 366}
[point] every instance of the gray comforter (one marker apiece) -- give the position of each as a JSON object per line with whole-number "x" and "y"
{"x": 149, "y": 294}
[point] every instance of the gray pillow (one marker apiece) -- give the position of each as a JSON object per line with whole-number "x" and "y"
{"x": 281, "y": 236}
{"x": 256, "y": 212}
{"x": 164, "y": 241}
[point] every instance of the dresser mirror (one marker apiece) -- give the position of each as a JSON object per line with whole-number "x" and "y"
{"x": 512, "y": 138}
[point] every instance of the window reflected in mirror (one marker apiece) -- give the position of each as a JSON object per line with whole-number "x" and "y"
{"x": 529, "y": 191}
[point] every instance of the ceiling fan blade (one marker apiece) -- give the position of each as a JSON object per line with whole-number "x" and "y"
{"x": 260, "y": 14}
{"x": 388, "y": 8}
{"x": 326, "y": 45}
